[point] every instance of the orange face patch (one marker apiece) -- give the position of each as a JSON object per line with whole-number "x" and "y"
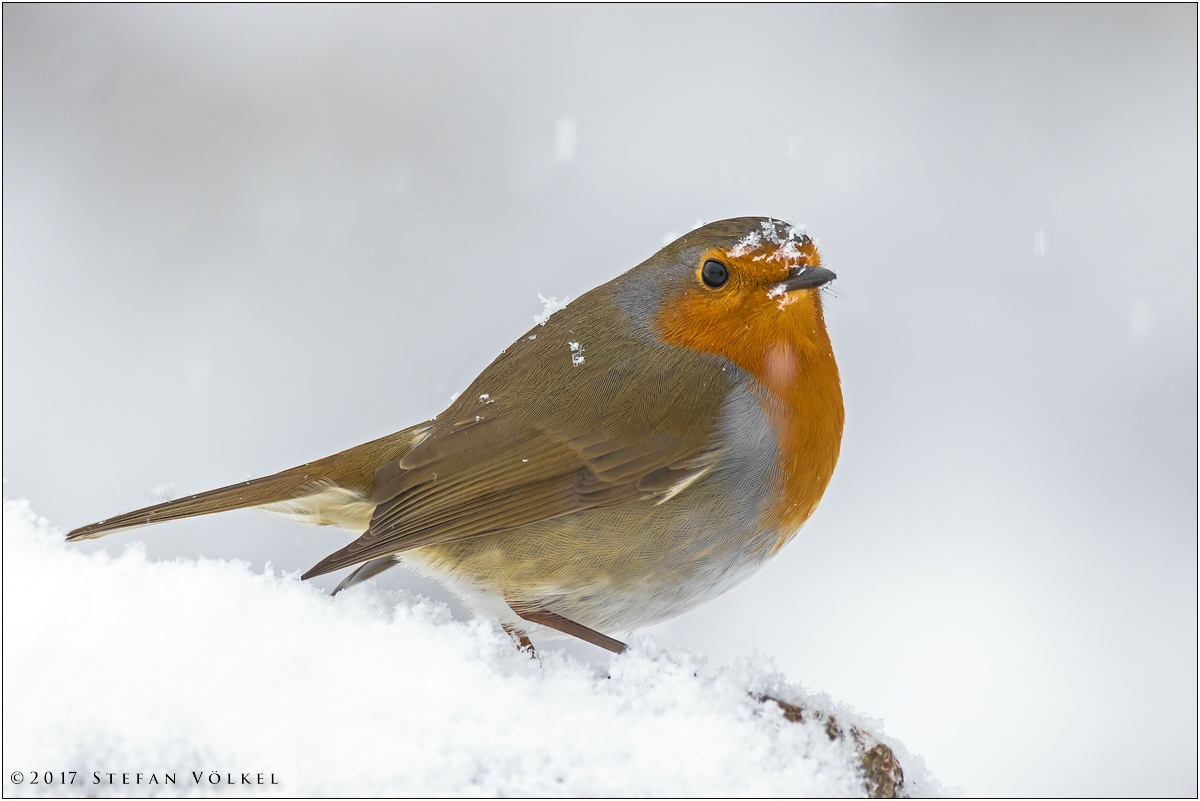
{"x": 779, "y": 338}
{"x": 748, "y": 317}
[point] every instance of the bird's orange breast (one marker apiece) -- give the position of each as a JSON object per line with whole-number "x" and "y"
{"x": 781, "y": 340}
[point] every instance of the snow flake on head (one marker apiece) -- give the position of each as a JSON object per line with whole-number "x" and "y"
{"x": 576, "y": 353}
{"x": 749, "y": 242}
{"x": 779, "y": 241}
{"x": 779, "y": 233}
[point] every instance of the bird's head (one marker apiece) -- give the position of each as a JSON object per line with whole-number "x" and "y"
{"x": 746, "y": 289}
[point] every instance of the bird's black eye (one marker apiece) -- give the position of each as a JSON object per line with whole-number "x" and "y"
{"x": 714, "y": 273}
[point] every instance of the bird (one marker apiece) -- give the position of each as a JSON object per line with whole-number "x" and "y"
{"x": 635, "y": 454}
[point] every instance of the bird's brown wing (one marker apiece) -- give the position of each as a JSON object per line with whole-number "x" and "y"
{"x": 483, "y": 476}
{"x": 580, "y": 413}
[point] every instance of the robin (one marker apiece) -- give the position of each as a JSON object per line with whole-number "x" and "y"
{"x": 632, "y": 456}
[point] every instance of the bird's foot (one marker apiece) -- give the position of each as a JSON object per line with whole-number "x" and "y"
{"x": 522, "y": 639}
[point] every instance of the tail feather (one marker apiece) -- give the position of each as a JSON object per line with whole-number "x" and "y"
{"x": 351, "y": 470}
{"x": 366, "y": 571}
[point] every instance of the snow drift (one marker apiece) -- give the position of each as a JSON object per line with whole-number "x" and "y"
{"x": 126, "y": 671}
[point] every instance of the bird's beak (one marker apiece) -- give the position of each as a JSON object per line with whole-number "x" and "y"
{"x": 804, "y": 278}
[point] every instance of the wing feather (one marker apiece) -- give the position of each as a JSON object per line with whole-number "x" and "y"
{"x": 457, "y": 495}
{"x": 536, "y": 437}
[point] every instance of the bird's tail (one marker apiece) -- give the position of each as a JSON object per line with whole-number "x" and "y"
{"x": 335, "y": 490}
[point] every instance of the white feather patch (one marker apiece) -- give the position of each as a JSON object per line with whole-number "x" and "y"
{"x": 328, "y": 505}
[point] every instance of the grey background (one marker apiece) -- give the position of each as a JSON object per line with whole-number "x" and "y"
{"x": 237, "y": 238}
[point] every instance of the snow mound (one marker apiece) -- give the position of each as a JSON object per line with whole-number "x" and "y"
{"x": 127, "y": 670}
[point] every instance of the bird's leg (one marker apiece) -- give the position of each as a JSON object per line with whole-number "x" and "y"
{"x": 560, "y": 623}
{"x": 523, "y": 642}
